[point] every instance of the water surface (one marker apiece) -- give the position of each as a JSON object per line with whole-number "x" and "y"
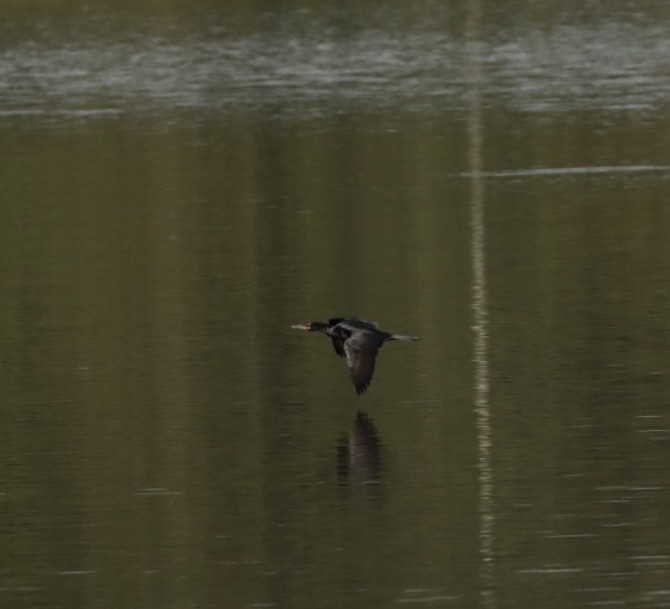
{"x": 182, "y": 184}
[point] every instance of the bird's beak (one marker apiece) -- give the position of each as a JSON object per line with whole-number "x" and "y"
{"x": 301, "y": 327}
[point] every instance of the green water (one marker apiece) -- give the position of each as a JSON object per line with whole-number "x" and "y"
{"x": 181, "y": 185}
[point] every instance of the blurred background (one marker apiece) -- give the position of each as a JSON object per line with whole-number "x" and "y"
{"x": 181, "y": 181}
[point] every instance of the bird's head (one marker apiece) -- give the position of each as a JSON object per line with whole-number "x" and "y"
{"x": 312, "y": 326}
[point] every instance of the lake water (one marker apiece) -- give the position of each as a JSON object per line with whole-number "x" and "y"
{"x": 182, "y": 183}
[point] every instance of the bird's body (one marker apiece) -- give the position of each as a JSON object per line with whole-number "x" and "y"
{"x": 358, "y": 341}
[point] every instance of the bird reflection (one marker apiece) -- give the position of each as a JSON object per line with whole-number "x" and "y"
{"x": 358, "y": 454}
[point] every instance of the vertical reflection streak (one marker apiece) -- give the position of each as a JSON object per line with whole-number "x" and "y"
{"x": 479, "y": 310}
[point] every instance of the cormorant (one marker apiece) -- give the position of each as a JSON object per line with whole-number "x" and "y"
{"x": 358, "y": 341}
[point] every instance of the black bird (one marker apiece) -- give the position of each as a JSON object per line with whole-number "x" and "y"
{"x": 358, "y": 341}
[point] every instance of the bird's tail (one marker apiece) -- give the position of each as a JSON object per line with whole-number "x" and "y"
{"x": 401, "y": 337}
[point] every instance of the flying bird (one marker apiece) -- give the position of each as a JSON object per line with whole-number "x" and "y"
{"x": 358, "y": 341}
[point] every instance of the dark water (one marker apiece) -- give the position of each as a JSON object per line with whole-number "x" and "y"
{"x": 181, "y": 184}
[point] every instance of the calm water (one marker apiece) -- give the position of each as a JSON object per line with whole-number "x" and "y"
{"x": 180, "y": 185}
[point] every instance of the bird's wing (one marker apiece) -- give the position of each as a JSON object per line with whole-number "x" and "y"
{"x": 361, "y": 351}
{"x": 353, "y": 323}
{"x": 338, "y": 343}
{"x": 338, "y": 335}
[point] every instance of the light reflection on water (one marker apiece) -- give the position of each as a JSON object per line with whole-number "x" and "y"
{"x": 560, "y": 171}
{"x": 313, "y": 71}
